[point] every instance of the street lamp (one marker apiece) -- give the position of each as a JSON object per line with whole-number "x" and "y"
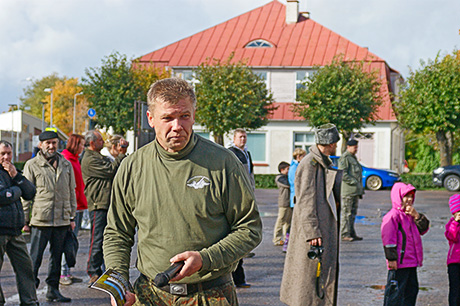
{"x": 12, "y": 128}
{"x": 51, "y": 105}
{"x": 43, "y": 115}
{"x": 74, "y": 109}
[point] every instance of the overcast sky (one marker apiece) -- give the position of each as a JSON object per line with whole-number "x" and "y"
{"x": 38, "y": 38}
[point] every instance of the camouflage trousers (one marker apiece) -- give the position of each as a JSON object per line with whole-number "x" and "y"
{"x": 148, "y": 294}
{"x": 348, "y": 212}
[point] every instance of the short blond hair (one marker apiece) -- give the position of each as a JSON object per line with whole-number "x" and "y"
{"x": 298, "y": 152}
{"x": 170, "y": 90}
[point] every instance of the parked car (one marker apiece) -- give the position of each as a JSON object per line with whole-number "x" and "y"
{"x": 448, "y": 176}
{"x": 374, "y": 179}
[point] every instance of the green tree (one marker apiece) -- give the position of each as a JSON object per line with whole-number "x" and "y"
{"x": 112, "y": 88}
{"x": 230, "y": 96}
{"x": 342, "y": 93}
{"x": 430, "y": 102}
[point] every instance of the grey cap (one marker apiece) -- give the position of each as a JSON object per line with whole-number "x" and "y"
{"x": 326, "y": 134}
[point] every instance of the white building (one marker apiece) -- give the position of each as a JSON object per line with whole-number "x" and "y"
{"x": 283, "y": 46}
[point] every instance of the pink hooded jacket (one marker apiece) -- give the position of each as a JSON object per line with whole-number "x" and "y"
{"x": 401, "y": 233}
{"x": 453, "y": 235}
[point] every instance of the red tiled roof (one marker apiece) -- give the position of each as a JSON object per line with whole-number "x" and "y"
{"x": 302, "y": 44}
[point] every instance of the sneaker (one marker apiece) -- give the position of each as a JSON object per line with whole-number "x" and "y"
{"x": 65, "y": 280}
{"x": 243, "y": 285}
{"x": 358, "y": 238}
{"x": 349, "y": 239}
{"x": 279, "y": 243}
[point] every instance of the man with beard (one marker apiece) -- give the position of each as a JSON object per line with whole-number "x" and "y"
{"x": 53, "y": 209}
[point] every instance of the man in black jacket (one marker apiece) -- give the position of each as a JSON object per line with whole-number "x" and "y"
{"x": 13, "y": 186}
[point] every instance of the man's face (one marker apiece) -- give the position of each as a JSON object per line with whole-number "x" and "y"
{"x": 173, "y": 123}
{"x": 6, "y": 153}
{"x": 49, "y": 147}
{"x": 97, "y": 144}
{"x": 353, "y": 149}
{"x": 330, "y": 149}
{"x": 240, "y": 139}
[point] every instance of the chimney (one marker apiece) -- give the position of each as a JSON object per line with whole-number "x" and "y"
{"x": 292, "y": 11}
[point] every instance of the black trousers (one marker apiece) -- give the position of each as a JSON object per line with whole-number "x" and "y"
{"x": 454, "y": 284}
{"x": 98, "y": 219}
{"x": 401, "y": 288}
{"x": 39, "y": 238}
{"x": 238, "y": 275}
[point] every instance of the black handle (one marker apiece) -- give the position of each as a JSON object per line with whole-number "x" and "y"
{"x": 163, "y": 278}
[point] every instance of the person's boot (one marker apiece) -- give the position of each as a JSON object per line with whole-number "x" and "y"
{"x": 53, "y": 294}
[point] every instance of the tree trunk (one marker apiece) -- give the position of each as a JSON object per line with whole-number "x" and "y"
{"x": 444, "y": 149}
{"x": 219, "y": 139}
{"x": 346, "y": 136}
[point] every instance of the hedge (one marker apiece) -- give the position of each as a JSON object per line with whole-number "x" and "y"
{"x": 265, "y": 181}
{"x": 420, "y": 181}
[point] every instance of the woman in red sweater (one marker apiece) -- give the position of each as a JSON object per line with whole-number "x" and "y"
{"x": 75, "y": 146}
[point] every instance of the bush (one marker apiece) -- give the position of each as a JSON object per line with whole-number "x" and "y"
{"x": 265, "y": 181}
{"x": 420, "y": 181}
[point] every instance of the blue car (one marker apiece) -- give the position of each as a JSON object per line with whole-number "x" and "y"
{"x": 374, "y": 179}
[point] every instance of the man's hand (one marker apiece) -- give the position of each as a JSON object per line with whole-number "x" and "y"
{"x": 10, "y": 168}
{"x": 130, "y": 299}
{"x": 26, "y": 229}
{"x": 393, "y": 265}
{"x": 192, "y": 263}
{"x": 72, "y": 225}
{"x": 316, "y": 242}
{"x": 122, "y": 146}
{"x": 410, "y": 210}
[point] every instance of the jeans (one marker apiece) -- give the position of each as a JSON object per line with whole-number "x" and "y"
{"x": 401, "y": 288}
{"x": 96, "y": 259}
{"x": 39, "y": 237}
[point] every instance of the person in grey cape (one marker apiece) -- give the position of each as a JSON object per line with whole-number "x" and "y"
{"x": 315, "y": 222}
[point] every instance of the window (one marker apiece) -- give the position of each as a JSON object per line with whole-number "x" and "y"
{"x": 304, "y": 140}
{"x": 256, "y": 145}
{"x": 187, "y": 75}
{"x": 301, "y": 77}
{"x": 263, "y": 75}
{"x": 259, "y": 43}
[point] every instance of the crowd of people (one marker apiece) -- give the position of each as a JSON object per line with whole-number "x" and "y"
{"x": 48, "y": 200}
{"x": 191, "y": 202}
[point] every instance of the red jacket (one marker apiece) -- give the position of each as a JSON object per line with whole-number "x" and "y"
{"x": 80, "y": 185}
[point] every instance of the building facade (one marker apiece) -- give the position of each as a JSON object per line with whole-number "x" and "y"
{"x": 284, "y": 46}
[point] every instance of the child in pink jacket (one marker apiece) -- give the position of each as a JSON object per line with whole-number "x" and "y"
{"x": 453, "y": 257}
{"x": 402, "y": 228}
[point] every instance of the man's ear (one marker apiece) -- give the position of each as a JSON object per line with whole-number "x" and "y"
{"x": 150, "y": 118}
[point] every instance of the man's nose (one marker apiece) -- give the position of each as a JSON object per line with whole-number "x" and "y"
{"x": 176, "y": 125}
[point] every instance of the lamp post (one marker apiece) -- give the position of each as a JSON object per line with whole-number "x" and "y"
{"x": 50, "y": 90}
{"x": 43, "y": 115}
{"x": 74, "y": 109}
{"x": 12, "y": 128}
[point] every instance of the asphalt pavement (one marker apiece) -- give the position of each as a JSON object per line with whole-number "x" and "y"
{"x": 362, "y": 264}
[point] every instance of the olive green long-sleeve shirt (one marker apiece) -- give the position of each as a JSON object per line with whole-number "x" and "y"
{"x": 198, "y": 199}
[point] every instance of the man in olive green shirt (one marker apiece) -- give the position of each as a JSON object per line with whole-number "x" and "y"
{"x": 352, "y": 190}
{"x": 190, "y": 200}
